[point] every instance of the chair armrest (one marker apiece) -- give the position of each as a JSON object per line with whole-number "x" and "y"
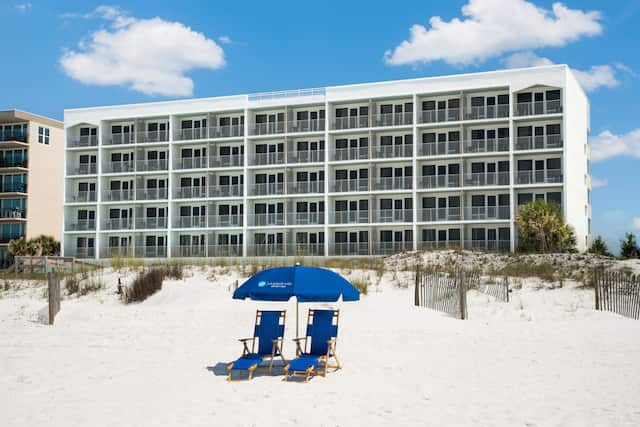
{"x": 247, "y": 339}
{"x": 299, "y": 349}
{"x": 298, "y": 339}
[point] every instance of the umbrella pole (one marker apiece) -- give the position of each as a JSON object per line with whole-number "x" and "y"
{"x": 297, "y": 318}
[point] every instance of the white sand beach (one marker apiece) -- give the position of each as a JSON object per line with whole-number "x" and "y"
{"x": 544, "y": 359}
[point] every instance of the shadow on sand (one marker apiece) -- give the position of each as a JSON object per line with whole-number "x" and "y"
{"x": 220, "y": 370}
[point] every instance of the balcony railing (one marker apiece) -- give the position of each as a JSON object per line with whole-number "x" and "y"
{"x": 151, "y": 222}
{"x": 315, "y": 125}
{"x": 191, "y": 163}
{"x": 150, "y": 251}
{"x": 389, "y": 248}
{"x": 267, "y": 128}
{"x": 440, "y": 181}
{"x": 486, "y": 145}
{"x": 83, "y": 253}
{"x": 81, "y": 225}
{"x": 189, "y": 251}
{"x": 11, "y": 135}
{"x": 267, "y": 158}
{"x": 152, "y": 136}
{"x": 392, "y": 215}
{"x": 192, "y": 134}
{"x": 6, "y": 238}
{"x": 231, "y": 190}
{"x": 439, "y": 214}
{"x": 349, "y": 185}
{"x": 81, "y": 196}
{"x": 437, "y": 116}
{"x": 355, "y": 153}
{"x": 391, "y": 151}
{"x": 392, "y": 119}
{"x": 14, "y": 163}
{"x": 83, "y": 141}
{"x": 538, "y": 108}
{"x": 547, "y": 176}
{"x": 350, "y": 122}
{"x": 118, "y": 195}
{"x": 151, "y": 194}
{"x": 226, "y": 220}
{"x": 481, "y": 179}
{"x": 222, "y": 161}
{"x": 120, "y": 139}
{"x": 13, "y": 188}
{"x": 398, "y": 183}
{"x": 195, "y": 192}
{"x": 116, "y": 251}
{"x": 224, "y": 250}
{"x": 305, "y": 218}
{"x": 440, "y": 148}
{"x": 117, "y": 224}
{"x": 13, "y": 213}
{"x": 190, "y": 222}
{"x": 119, "y": 167}
{"x": 487, "y": 112}
{"x": 229, "y": 131}
{"x": 269, "y": 188}
{"x": 482, "y": 213}
{"x": 305, "y": 187}
{"x": 305, "y": 156}
{"x": 266, "y": 219}
{"x": 152, "y": 165}
{"x": 350, "y": 217}
{"x": 538, "y": 142}
{"x": 349, "y": 248}
{"x": 83, "y": 169}
{"x": 305, "y": 249}
{"x": 484, "y": 245}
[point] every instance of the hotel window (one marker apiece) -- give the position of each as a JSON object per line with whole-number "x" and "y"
{"x": 43, "y": 135}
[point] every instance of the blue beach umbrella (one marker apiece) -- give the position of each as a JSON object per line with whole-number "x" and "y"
{"x": 306, "y": 284}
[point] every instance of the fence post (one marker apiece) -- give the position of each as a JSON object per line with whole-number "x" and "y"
{"x": 54, "y": 296}
{"x": 462, "y": 294}
{"x": 596, "y": 280}
{"x": 416, "y": 294}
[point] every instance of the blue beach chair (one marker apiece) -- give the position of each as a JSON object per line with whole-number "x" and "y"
{"x": 317, "y": 348}
{"x": 269, "y": 334}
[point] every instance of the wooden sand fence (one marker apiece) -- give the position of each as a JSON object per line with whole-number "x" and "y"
{"x": 44, "y": 264}
{"x": 496, "y": 287}
{"x": 54, "y": 296}
{"x": 618, "y": 292}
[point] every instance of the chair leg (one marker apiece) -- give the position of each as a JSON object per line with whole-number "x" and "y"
{"x": 308, "y": 376}
{"x": 230, "y": 369}
{"x": 286, "y": 372}
{"x": 251, "y": 369}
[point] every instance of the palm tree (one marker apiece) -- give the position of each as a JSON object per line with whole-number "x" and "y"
{"x": 18, "y": 247}
{"x": 541, "y": 228}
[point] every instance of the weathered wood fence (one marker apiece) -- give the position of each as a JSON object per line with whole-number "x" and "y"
{"x": 43, "y": 264}
{"x": 493, "y": 286}
{"x": 54, "y": 296}
{"x": 618, "y": 292}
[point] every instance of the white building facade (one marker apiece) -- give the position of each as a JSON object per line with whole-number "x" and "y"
{"x": 357, "y": 170}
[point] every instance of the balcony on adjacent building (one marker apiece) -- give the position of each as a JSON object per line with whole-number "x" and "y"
{"x": 122, "y": 166}
{"x": 229, "y": 131}
{"x": 199, "y": 221}
{"x": 225, "y": 161}
{"x": 272, "y": 128}
{"x": 485, "y": 213}
{"x": 81, "y": 196}
{"x": 353, "y": 122}
{"x": 191, "y": 192}
{"x": 439, "y": 214}
{"x": 17, "y": 133}
{"x": 440, "y": 115}
{"x": 13, "y": 213}
{"x": 540, "y": 142}
{"x": 117, "y": 195}
{"x": 267, "y": 249}
{"x": 7, "y": 164}
{"x": 189, "y": 251}
{"x": 546, "y": 176}
{"x": 7, "y": 237}
{"x": 538, "y": 108}
{"x": 152, "y": 165}
{"x": 224, "y": 250}
{"x": 314, "y": 125}
{"x": 152, "y": 136}
{"x": 191, "y": 163}
{"x": 13, "y": 187}
{"x": 305, "y": 249}
{"x": 274, "y": 158}
{"x": 150, "y": 251}
{"x": 361, "y": 248}
{"x": 231, "y": 190}
{"x": 487, "y": 112}
{"x": 83, "y": 253}
{"x": 83, "y": 169}
{"x": 390, "y": 248}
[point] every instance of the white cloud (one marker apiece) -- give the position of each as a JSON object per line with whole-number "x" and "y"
{"x": 147, "y": 55}
{"x": 596, "y": 77}
{"x": 490, "y": 28}
{"x": 606, "y": 145}
{"x": 598, "y": 183}
{"x": 635, "y": 222}
{"x": 23, "y": 7}
{"x": 224, "y": 39}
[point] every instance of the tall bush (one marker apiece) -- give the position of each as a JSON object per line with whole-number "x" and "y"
{"x": 629, "y": 247}
{"x": 541, "y": 228}
{"x": 599, "y": 247}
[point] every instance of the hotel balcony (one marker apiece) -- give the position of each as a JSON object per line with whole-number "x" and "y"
{"x": 261, "y": 220}
{"x": 80, "y": 225}
{"x": 488, "y": 112}
{"x": 83, "y": 169}
{"x": 119, "y": 167}
{"x": 482, "y": 179}
{"x": 6, "y": 238}
{"x": 117, "y": 195}
{"x": 117, "y": 224}
{"x": 486, "y": 145}
{"x": 232, "y": 190}
{"x": 120, "y": 139}
{"x": 439, "y": 181}
{"x": 305, "y": 156}
{"x": 389, "y": 183}
{"x": 356, "y": 122}
{"x": 538, "y": 142}
{"x": 83, "y": 141}
{"x": 266, "y": 249}
{"x": 390, "y": 248}
{"x": 314, "y": 125}
{"x": 151, "y": 194}
{"x": 471, "y": 213}
{"x": 547, "y": 176}
{"x": 190, "y": 222}
{"x": 213, "y": 132}
{"x": 439, "y": 214}
{"x": 538, "y": 108}
{"x": 157, "y": 222}
{"x": 9, "y": 165}
{"x": 272, "y": 128}
{"x": 350, "y": 185}
{"x": 350, "y": 217}
{"x": 440, "y": 148}
{"x": 152, "y": 136}
{"x": 191, "y": 163}
{"x": 391, "y": 119}
{"x": 260, "y": 159}
{"x": 14, "y": 188}
{"x": 355, "y": 153}
{"x": 18, "y": 135}
{"x": 305, "y": 187}
{"x": 189, "y": 251}
{"x": 391, "y": 151}
{"x": 152, "y": 165}
{"x": 484, "y": 245}
{"x": 231, "y": 160}
{"x": 150, "y": 251}
{"x": 13, "y": 213}
{"x": 224, "y": 250}
{"x": 392, "y": 215}
{"x": 83, "y": 253}
{"x": 194, "y": 192}
{"x": 305, "y": 249}
{"x": 441, "y": 115}
{"x": 305, "y": 218}
{"x": 267, "y": 189}
{"x": 226, "y": 220}
{"x": 81, "y": 196}
{"x": 349, "y": 248}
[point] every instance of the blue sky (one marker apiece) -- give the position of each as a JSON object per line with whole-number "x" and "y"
{"x": 50, "y": 61}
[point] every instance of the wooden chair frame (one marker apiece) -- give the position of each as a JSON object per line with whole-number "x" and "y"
{"x": 276, "y": 350}
{"x": 302, "y": 347}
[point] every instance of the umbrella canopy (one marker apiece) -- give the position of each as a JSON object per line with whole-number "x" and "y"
{"x": 307, "y": 284}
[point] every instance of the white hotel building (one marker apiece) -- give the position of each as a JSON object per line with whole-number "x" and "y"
{"x": 366, "y": 169}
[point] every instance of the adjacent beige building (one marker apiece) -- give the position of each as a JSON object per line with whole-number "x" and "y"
{"x": 31, "y": 173}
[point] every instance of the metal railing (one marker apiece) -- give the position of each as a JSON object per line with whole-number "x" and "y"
{"x": 390, "y": 183}
{"x": 391, "y": 119}
{"x": 305, "y": 218}
{"x": 481, "y": 179}
{"x": 538, "y": 142}
{"x": 83, "y": 253}
{"x": 486, "y": 145}
{"x": 120, "y": 139}
{"x": 229, "y": 131}
{"x": 151, "y": 194}
{"x": 81, "y": 196}
{"x": 230, "y": 160}
{"x": 442, "y": 244}
{"x": 11, "y": 135}
{"x": 286, "y": 94}
{"x": 224, "y": 250}
{"x": 6, "y": 238}
{"x": 305, "y": 249}
{"x": 389, "y": 248}
{"x": 538, "y": 108}
{"x": 116, "y": 251}
{"x": 190, "y": 221}
{"x": 266, "y": 219}
{"x": 152, "y": 136}
{"x": 146, "y": 223}
{"x": 440, "y": 181}
{"x": 267, "y": 128}
{"x": 267, "y": 158}
{"x": 152, "y": 165}
{"x": 150, "y": 251}
{"x": 392, "y": 215}
{"x": 487, "y": 212}
{"x": 191, "y": 163}
{"x": 349, "y": 185}
{"x": 194, "y": 192}
{"x": 230, "y": 190}
{"x": 83, "y": 141}
{"x": 440, "y": 214}
{"x": 315, "y": 125}
{"x": 267, "y": 249}
{"x": 117, "y": 224}
{"x": 119, "y": 167}
{"x": 80, "y": 225}
{"x": 391, "y": 151}
{"x": 439, "y": 148}
{"x": 547, "y": 176}
{"x": 355, "y": 153}
{"x": 189, "y": 134}
{"x": 305, "y": 156}
{"x": 350, "y": 217}
{"x": 189, "y": 251}
{"x": 349, "y": 248}
{"x": 83, "y": 169}
{"x": 487, "y": 112}
{"x": 488, "y": 245}
{"x": 350, "y": 122}
{"x": 226, "y": 220}
{"x": 436, "y": 116}
{"x": 13, "y": 213}
{"x": 13, "y": 188}
{"x": 269, "y": 188}
{"x": 14, "y": 163}
{"x": 305, "y": 187}
{"x": 117, "y": 195}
